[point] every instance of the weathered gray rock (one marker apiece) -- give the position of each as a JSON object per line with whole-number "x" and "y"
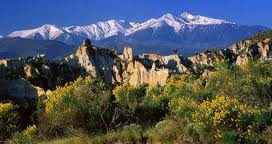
{"x": 207, "y": 58}
{"x": 174, "y": 64}
{"x": 98, "y": 62}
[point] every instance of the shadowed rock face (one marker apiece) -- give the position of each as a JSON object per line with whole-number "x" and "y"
{"x": 20, "y": 89}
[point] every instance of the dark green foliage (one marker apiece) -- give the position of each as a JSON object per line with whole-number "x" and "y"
{"x": 140, "y": 105}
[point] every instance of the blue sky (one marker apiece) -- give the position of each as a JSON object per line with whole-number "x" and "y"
{"x": 22, "y": 14}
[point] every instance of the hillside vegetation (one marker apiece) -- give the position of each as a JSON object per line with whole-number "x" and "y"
{"x": 229, "y": 105}
{"x": 223, "y": 97}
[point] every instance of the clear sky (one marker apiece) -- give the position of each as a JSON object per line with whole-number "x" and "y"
{"x": 22, "y": 14}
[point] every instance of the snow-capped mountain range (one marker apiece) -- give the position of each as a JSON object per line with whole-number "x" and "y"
{"x": 185, "y": 32}
{"x": 102, "y": 30}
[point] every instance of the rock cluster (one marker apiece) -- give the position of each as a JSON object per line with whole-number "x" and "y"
{"x": 246, "y": 50}
{"x": 32, "y": 76}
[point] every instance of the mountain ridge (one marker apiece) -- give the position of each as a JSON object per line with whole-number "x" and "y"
{"x": 113, "y": 27}
{"x": 185, "y": 32}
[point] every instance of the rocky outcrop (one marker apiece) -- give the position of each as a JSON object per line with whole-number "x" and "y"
{"x": 175, "y": 64}
{"x": 149, "y": 68}
{"x": 207, "y": 58}
{"x": 136, "y": 73}
{"x": 127, "y": 54}
{"x": 252, "y": 49}
{"x": 39, "y": 72}
{"x": 19, "y": 89}
{"x": 98, "y": 62}
{"x": 125, "y": 68}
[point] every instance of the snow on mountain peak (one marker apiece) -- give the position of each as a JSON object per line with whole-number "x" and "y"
{"x": 46, "y": 31}
{"x": 172, "y": 21}
{"x": 187, "y": 15}
{"x": 100, "y": 29}
{"x": 200, "y": 20}
{"x": 168, "y": 16}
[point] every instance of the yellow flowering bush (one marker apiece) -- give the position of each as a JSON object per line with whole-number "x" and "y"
{"x": 82, "y": 104}
{"x": 224, "y": 113}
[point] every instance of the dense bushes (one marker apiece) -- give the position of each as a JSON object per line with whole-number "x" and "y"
{"x": 140, "y": 104}
{"x": 85, "y": 104}
{"x": 128, "y": 134}
{"x": 27, "y": 136}
{"x": 230, "y": 104}
{"x": 9, "y": 120}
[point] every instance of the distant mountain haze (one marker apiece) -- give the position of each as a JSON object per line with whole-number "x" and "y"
{"x": 19, "y": 47}
{"x": 185, "y": 33}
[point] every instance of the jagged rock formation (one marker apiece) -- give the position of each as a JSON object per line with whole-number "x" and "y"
{"x": 34, "y": 75}
{"x": 126, "y": 68}
{"x": 98, "y": 62}
{"x": 136, "y": 73}
{"x": 207, "y": 58}
{"x": 252, "y": 49}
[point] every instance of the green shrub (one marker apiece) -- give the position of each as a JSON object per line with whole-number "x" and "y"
{"x": 82, "y": 139}
{"x": 140, "y": 105}
{"x": 83, "y": 104}
{"x": 9, "y": 120}
{"x": 128, "y": 135}
{"x": 25, "y": 137}
{"x": 166, "y": 131}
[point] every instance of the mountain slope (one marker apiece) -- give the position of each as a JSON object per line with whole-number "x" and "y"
{"x": 186, "y": 32}
{"x": 19, "y": 47}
